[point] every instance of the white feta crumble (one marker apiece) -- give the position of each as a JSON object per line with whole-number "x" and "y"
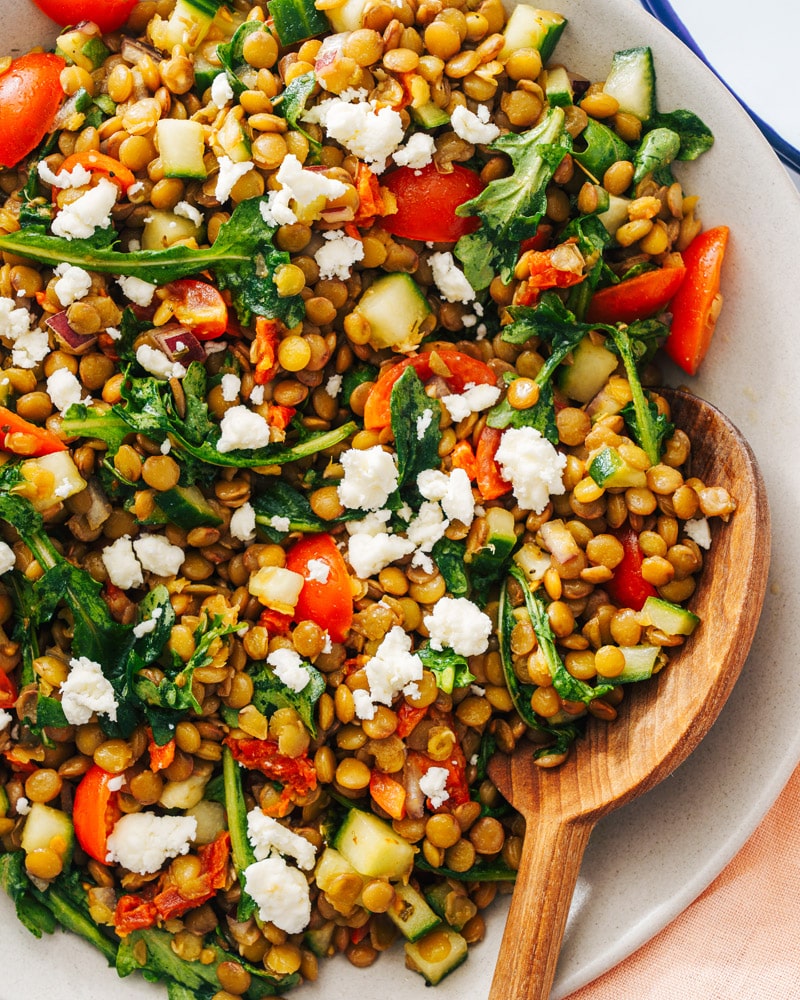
{"x": 334, "y": 386}
{"x": 86, "y": 691}
{"x": 532, "y": 465}
{"x": 373, "y": 523}
{"x": 393, "y": 666}
{"x": 229, "y": 174}
{"x": 140, "y": 292}
{"x": 122, "y": 566}
{"x": 428, "y": 526}
{"x": 65, "y": 488}
{"x": 368, "y": 132}
{"x": 318, "y": 570}
{"x": 143, "y": 841}
{"x": 362, "y": 703}
{"x": 64, "y": 389}
{"x": 288, "y": 667}
{"x": 23, "y": 806}
{"x": 417, "y": 152}
{"x": 157, "y": 363}
{"x": 92, "y": 210}
{"x": 473, "y": 399}
{"x": 454, "y": 493}
{"x": 114, "y": 333}
{"x": 303, "y": 187}
{"x": 257, "y": 395}
{"x": 144, "y": 627}
{"x": 158, "y": 555}
{"x": 73, "y": 283}
{"x": 370, "y": 477}
{"x": 433, "y": 784}
{"x": 424, "y": 422}
{"x": 7, "y": 558}
{"x": 30, "y": 346}
{"x": 280, "y": 523}
{"x": 458, "y": 623}
{"x": 268, "y": 837}
{"x": 187, "y": 211}
{"x": 242, "y": 428}
{"x": 280, "y": 892}
{"x": 221, "y": 90}
{"x": 450, "y": 279}
{"x": 78, "y": 177}
{"x": 368, "y": 554}
{"x": 474, "y": 128}
{"x": 5, "y": 719}
{"x": 165, "y": 447}
{"x": 231, "y": 386}
{"x": 243, "y": 523}
{"x": 116, "y": 783}
{"x": 335, "y": 258}
{"x": 699, "y": 530}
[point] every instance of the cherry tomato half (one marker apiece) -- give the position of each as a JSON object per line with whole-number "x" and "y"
{"x": 8, "y": 691}
{"x": 108, "y": 15}
{"x": 95, "y": 810}
{"x": 326, "y": 597}
{"x": 427, "y": 202}
{"x": 198, "y": 306}
{"x": 30, "y": 96}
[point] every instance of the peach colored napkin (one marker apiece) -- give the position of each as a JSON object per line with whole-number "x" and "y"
{"x": 740, "y": 940}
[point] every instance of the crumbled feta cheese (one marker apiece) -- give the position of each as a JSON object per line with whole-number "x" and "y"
{"x": 280, "y": 892}
{"x": 157, "y": 363}
{"x": 392, "y": 667}
{"x": 116, "y": 783}
{"x": 242, "y": 428}
{"x": 144, "y": 627}
{"x": 699, "y": 530}
{"x": 158, "y": 555}
{"x": 424, "y": 422}
{"x": 335, "y": 258}
{"x": 221, "y": 90}
{"x": 473, "y": 128}
{"x": 280, "y": 523}
{"x": 187, "y": 211}
{"x": 73, "y": 283}
{"x": 114, "y": 333}
{"x": 257, "y": 395}
{"x": 231, "y": 385}
{"x": 243, "y": 523}
{"x": 23, "y": 806}
{"x": 86, "y": 691}
{"x": 373, "y": 523}
{"x": 362, "y": 703}
{"x": 92, "y": 210}
{"x": 165, "y": 447}
{"x": 5, "y": 719}
{"x": 334, "y": 386}
{"x": 78, "y": 177}
{"x": 477, "y": 690}
{"x": 229, "y": 174}
{"x": 64, "y": 389}
{"x": 289, "y": 669}
{"x": 268, "y": 837}
{"x": 318, "y": 570}
{"x": 368, "y": 132}
{"x": 453, "y": 491}
{"x": 450, "y": 280}
{"x": 433, "y": 784}
{"x": 122, "y": 566}
{"x": 532, "y": 465}
{"x": 138, "y": 291}
{"x": 428, "y": 526}
{"x": 30, "y": 346}
{"x": 473, "y": 399}
{"x": 143, "y": 841}
{"x": 369, "y": 554}
{"x": 417, "y": 152}
{"x": 303, "y": 187}
{"x": 458, "y": 623}
{"x": 370, "y": 477}
{"x": 7, "y": 558}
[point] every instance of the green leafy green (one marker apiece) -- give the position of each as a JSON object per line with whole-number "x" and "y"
{"x": 510, "y": 207}
{"x": 236, "y": 809}
{"x": 695, "y": 136}
{"x": 450, "y": 669}
{"x": 291, "y": 105}
{"x": 448, "y": 554}
{"x": 270, "y": 693}
{"x": 243, "y": 259}
{"x": 231, "y": 55}
{"x": 599, "y": 147}
{"x": 415, "y": 425}
{"x": 658, "y": 149}
{"x": 278, "y": 500}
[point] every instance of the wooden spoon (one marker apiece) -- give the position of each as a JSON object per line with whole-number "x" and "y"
{"x": 660, "y": 722}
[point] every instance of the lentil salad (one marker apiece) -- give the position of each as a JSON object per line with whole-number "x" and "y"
{"x": 187, "y": 632}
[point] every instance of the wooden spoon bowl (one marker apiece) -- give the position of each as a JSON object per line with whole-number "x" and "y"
{"x": 660, "y": 722}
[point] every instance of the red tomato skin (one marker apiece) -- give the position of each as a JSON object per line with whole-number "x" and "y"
{"x": 30, "y": 96}
{"x": 95, "y": 810}
{"x": 636, "y": 298}
{"x": 427, "y": 202}
{"x": 329, "y": 604}
{"x": 8, "y": 691}
{"x": 108, "y": 15}
{"x": 199, "y": 306}
{"x": 628, "y": 588}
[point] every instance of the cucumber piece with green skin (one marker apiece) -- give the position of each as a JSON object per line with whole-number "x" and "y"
{"x": 437, "y": 897}
{"x": 616, "y": 214}
{"x": 609, "y": 469}
{"x": 641, "y": 662}
{"x": 531, "y": 28}
{"x": 163, "y": 228}
{"x": 558, "y": 87}
{"x": 395, "y": 308}
{"x": 87, "y": 51}
{"x": 437, "y": 941}
{"x": 319, "y": 940}
{"x": 372, "y": 847}
{"x": 588, "y": 373}
{"x": 671, "y": 619}
{"x": 296, "y": 20}
{"x": 187, "y": 26}
{"x": 188, "y": 508}
{"x": 411, "y": 914}
{"x": 632, "y": 81}
{"x": 181, "y": 146}
{"x": 51, "y": 829}
{"x": 233, "y": 139}
{"x": 329, "y": 867}
{"x": 430, "y": 115}
{"x": 4, "y": 803}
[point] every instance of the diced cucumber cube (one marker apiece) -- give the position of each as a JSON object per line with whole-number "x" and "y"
{"x": 373, "y": 848}
{"x": 670, "y": 618}
{"x": 437, "y": 954}
{"x": 411, "y": 914}
{"x": 181, "y": 146}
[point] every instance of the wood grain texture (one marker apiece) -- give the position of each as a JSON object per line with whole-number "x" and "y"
{"x": 659, "y": 724}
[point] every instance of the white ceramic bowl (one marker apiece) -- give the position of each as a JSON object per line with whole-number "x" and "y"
{"x": 648, "y": 861}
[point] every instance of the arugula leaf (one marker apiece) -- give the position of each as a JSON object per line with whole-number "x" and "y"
{"x": 270, "y": 693}
{"x": 510, "y": 207}
{"x": 31, "y": 913}
{"x": 448, "y": 554}
{"x": 415, "y": 425}
{"x": 291, "y": 105}
{"x": 36, "y": 210}
{"x": 279, "y": 499}
{"x": 450, "y": 669}
{"x": 601, "y": 146}
{"x": 231, "y": 55}
{"x": 242, "y": 259}
{"x": 695, "y": 136}
{"x": 658, "y": 149}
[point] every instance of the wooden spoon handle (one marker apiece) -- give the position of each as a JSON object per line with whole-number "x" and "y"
{"x": 551, "y": 860}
